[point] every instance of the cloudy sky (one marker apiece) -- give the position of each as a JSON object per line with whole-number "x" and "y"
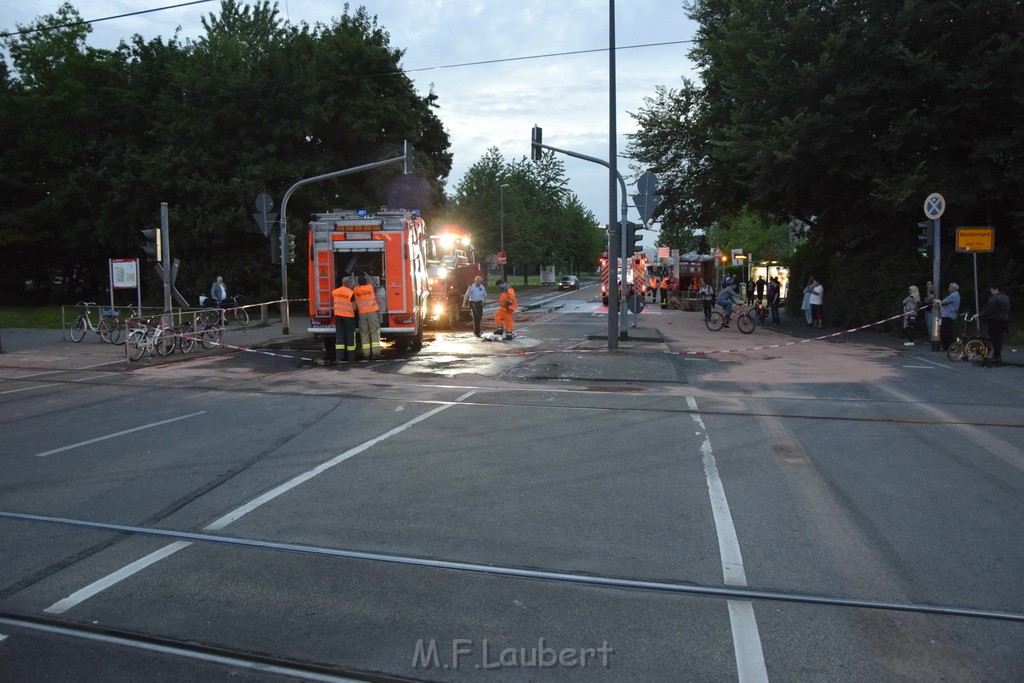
{"x": 456, "y": 47}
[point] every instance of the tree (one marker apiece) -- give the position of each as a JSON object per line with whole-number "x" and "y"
{"x": 96, "y": 140}
{"x": 845, "y": 116}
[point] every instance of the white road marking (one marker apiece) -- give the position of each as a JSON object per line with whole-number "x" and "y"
{"x": 116, "y": 434}
{"x": 38, "y": 386}
{"x": 106, "y": 582}
{"x": 750, "y": 664}
{"x": 92, "y": 589}
{"x": 399, "y": 409}
{"x": 944, "y": 366}
{"x": 2, "y": 637}
{"x": 920, "y": 367}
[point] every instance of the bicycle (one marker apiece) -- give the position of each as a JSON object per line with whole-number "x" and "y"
{"x": 143, "y": 337}
{"x": 967, "y": 345}
{"x": 717, "y": 321}
{"x": 231, "y": 307}
{"x": 208, "y": 329}
{"x": 83, "y": 323}
{"x": 759, "y": 313}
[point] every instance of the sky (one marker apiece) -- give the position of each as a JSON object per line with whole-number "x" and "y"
{"x": 489, "y": 104}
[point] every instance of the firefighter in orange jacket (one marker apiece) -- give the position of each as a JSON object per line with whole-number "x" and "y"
{"x": 665, "y": 282}
{"x": 654, "y": 288}
{"x": 344, "y": 321}
{"x": 369, "y": 321}
{"x": 506, "y": 305}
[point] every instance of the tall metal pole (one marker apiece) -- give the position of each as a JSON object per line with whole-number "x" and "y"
{"x": 613, "y": 238}
{"x": 936, "y": 306}
{"x": 501, "y": 223}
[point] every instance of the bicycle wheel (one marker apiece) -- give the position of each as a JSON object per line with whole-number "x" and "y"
{"x": 186, "y": 340}
{"x": 165, "y": 342}
{"x": 79, "y": 328}
{"x": 715, "y": 322}
{"x": 136, "y": 342}
{"x": 106, "y": 327}
{"x": 745, "y": 324}
{"x": 210, "y": 317}
{"x": 975, "y": 349}
{"x": 242, "y": 316}
{"x": 118, "y": 333}
{"x": 955, "y": 351}
{"x": 210, "y": 337}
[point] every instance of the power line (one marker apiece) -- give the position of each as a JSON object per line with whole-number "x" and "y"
{"x": 84, "y": 22}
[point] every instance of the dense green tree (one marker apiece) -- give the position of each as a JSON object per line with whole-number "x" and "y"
{"x": 844, "y": 116}
{"x": 95, "y": 140}
{"x": 545, "y": 223}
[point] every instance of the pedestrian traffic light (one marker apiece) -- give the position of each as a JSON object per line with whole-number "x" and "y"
{"x": 927, "y": 237}
{"x": 535, "y": 140}
{"x": 153, "y": 247}
{"x": 275, "y": 249}
{"x": 289, "y": 247}
{"x": 633, "y": 239}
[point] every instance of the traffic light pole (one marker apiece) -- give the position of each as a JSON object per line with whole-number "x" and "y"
{"x": 165, "y": 236}
{"x": 616, "y": 246}
{"x": 406, "y": 158}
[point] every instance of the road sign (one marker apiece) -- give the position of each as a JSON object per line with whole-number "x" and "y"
{"x": 502, "y": 259}
{"x": 934, "y": 206}
{"x": 647, "y": 183}
{"x": 265, "y": 221}
{"x": 264, "y": 202}
{"x": 975, "y": 239}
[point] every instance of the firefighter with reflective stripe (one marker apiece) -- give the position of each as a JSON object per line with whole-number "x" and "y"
{"x": 507, "y": 304}
{"x": 369, "y": 321}
{"x": 654, "y": 288}
{"x": 665, "y": 282}
{"x": 344, "y": 321}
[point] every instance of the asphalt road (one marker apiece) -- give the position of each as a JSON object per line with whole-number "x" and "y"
{"x": 508, "y": 493}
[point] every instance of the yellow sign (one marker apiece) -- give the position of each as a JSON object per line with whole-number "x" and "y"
{"x": 977, "y": 239}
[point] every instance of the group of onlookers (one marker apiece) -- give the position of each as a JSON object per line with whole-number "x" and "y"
{"x": 995, "y": 315}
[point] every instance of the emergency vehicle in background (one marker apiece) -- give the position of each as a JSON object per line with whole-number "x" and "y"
{"x": 389, "y": 247}
{"x": 638, "y": 264}
{"x": 451, "y": 269}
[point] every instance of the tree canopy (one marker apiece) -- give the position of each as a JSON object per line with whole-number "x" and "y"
{"x": 545, "y": 223}
{"x": 845, "y": 116}
{"x": 94, "y": 141}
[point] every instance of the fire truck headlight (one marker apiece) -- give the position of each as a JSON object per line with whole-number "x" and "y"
{"x": 438, "y": 309}
{"x": 442, "y": 273}
{"x": 447, "y": 241}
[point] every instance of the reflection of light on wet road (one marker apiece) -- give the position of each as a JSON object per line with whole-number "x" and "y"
{"x": 450, "y": 354}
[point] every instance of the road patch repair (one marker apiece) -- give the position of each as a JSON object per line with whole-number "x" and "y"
{"x": 636, "y": 368}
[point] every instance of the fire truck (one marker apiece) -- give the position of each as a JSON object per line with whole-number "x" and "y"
{"x": 390, "y": 248}
{"x": 637, "y": 265}
{"x": 451, "y": 269}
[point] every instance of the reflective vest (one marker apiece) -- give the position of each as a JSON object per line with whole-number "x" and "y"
{"x": 654, "y": 283}
{"x": 507, "y": 300}
{"x": 665, "y": 283}
{"x": 366, "y": 300}
{"x": 343, "y": 307}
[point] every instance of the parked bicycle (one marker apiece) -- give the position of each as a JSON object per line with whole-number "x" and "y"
{"x": 150, "y": 335}
{"x": 83, "y": 323}
{"x": 967, "y": 345}
{"x": 743, "y": 321}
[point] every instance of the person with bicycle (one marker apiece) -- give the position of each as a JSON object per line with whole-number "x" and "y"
{"x": 996, "y": 316}
{"x": 726, "y": 298}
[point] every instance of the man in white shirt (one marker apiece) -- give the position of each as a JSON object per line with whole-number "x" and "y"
{"x": 815, "y": 300}
{"x": 219, "y": 291}
{"x": 475, "y": 296}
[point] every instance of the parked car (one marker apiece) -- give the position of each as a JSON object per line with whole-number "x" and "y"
{"x": 568, "y": 282}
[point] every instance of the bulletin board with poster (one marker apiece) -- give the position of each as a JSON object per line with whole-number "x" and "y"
{"x": 124, "y": 274}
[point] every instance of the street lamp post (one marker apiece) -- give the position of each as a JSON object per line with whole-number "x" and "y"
{"x": 501, "y": 227}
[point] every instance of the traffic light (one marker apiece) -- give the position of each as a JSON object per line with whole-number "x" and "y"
{"x": 633, "y": 239}
{"x": 289, "y": 247}
{"x": 407, "y": 151}
{"x": 275, "y": 249}
{"x": 535, "y": 141}
{"x": 154, "y": 246}
{"x": 927, "y": 237}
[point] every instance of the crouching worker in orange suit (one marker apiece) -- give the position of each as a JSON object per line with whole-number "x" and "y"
{"x": 506, "y": 305}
